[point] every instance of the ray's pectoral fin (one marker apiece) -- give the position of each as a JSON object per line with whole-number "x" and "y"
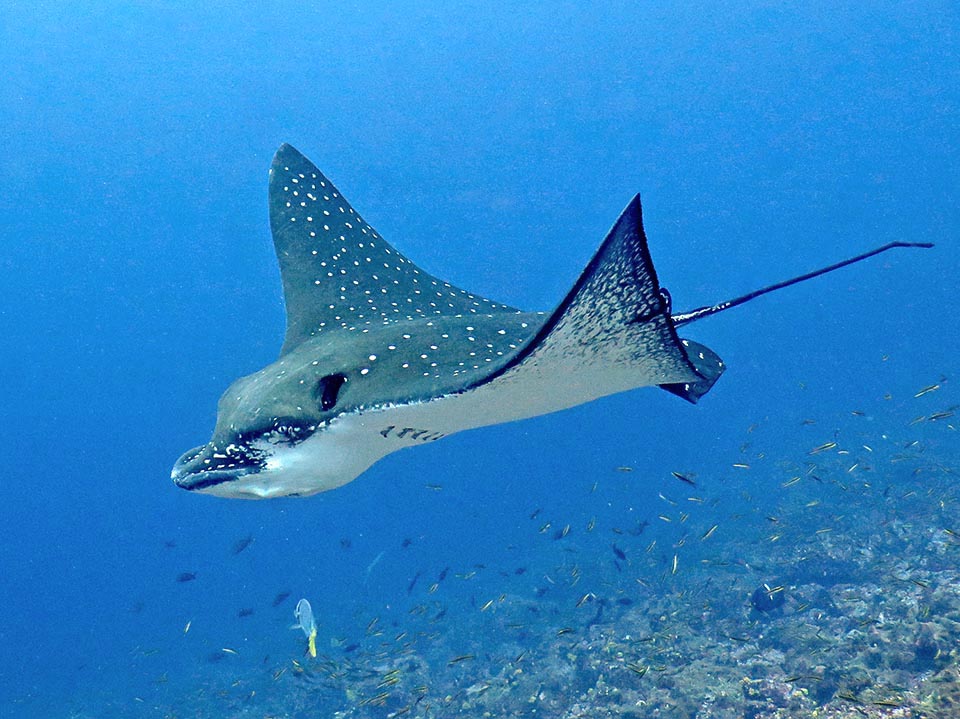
{"x": 338, "y": 273}
{"x": 613, "y": 331}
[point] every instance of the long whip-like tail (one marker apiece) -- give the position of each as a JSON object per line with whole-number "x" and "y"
{"x": 701, "y": 312}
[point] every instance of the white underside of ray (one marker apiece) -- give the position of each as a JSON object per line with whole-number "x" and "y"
{"x": 554, "y": 379}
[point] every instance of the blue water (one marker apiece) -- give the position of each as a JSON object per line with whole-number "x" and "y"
{"x": 495, "y": 147}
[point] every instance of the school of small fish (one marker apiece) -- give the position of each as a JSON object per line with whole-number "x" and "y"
{"x": 670, "y": 607}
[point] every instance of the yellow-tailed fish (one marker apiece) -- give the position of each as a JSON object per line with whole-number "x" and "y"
{"x": 306, "y": 623}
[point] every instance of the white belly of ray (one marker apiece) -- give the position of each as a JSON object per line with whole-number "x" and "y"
{"x": 351, "y": 443}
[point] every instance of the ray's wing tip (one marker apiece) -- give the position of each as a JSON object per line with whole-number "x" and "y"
{"x": 289, "y": 159}
{"x": 633, "y": 207}
{"x": 287, "y": 154}
{"x": 631, "y": 216}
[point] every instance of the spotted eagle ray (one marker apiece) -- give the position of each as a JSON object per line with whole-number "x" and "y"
{"x": 379, "y": 355}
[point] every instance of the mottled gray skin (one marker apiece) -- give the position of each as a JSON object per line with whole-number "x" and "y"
{"x": 415, "y": 358}
{"x": 286, "y": 388}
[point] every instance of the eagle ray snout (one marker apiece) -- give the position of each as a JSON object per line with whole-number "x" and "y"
{"x": 207, "y": 465}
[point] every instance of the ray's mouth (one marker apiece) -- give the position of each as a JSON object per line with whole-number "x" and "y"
{"x": 208, "y": 465}
{"x": 211, "y": 464}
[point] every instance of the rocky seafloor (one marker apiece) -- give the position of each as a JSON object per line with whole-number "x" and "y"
{"x": 838, "y": 595}
{"x": 833, "y": 591}
{"x": 885, "y": 643}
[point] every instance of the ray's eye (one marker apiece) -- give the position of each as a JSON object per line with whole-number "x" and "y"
{"x": 328, "y": 389}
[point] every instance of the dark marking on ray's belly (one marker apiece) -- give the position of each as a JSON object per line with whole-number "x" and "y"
{"x": 411, "y": 434}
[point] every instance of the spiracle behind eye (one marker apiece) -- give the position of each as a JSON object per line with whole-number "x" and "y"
{"x": 328, "y": 389}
